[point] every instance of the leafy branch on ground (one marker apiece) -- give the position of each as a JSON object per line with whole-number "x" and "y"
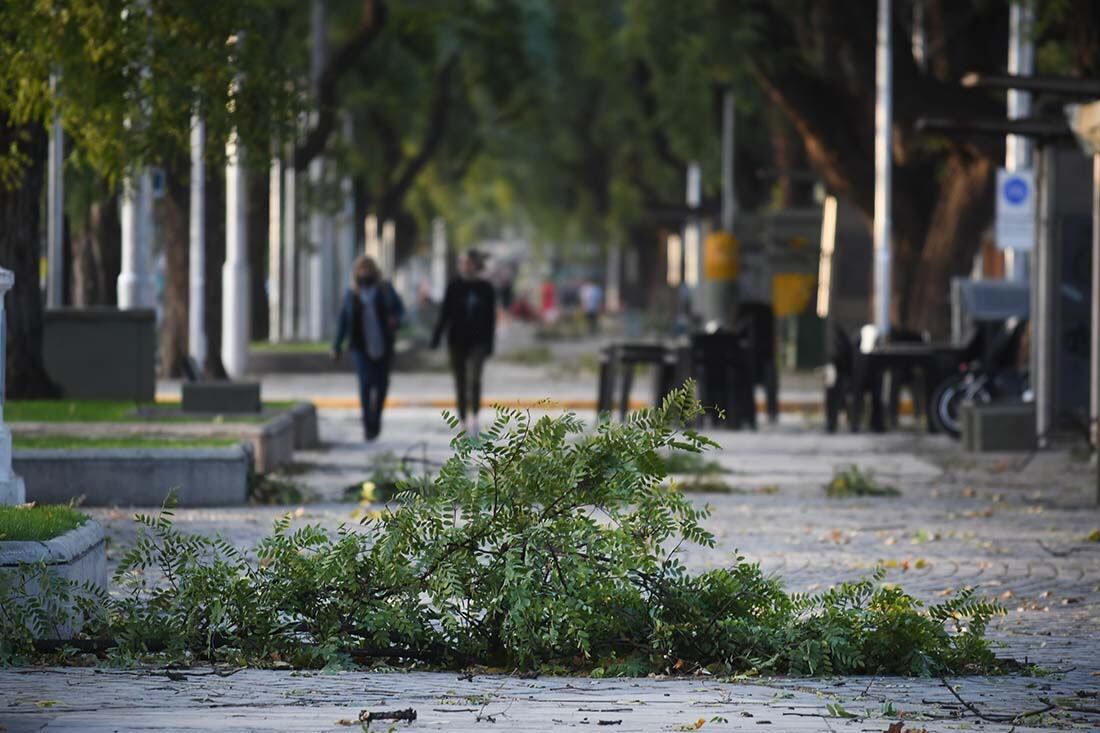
{"x": 854, "y": 481}
{"x": 539, "y": 546}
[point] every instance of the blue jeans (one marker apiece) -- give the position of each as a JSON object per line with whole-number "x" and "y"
{"x": 374, "y": 381}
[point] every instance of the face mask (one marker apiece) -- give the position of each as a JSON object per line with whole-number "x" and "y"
{"x": 366, "y": 280}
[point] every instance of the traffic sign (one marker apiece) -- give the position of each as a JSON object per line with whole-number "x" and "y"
{"x": 1015, "y": 209}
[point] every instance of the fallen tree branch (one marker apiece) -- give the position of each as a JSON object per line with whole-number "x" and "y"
{"x": 995, "y": 717}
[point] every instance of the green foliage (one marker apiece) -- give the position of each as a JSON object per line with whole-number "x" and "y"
{"x": 37, "y": 523}
{"x": 537, "y": 545}
{"x": 38, "y": 603}
{"x": 854, "y": 481}
{"x": 689, "y": 463}
{"x": 277, "y": 489}
{"x": 132, "y": 72}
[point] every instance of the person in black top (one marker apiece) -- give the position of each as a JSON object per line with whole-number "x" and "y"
{"x": 369, "y": 316}
{"x": 468, "y": 315}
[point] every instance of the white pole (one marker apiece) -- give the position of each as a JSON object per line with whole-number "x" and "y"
{"x": 235, "y": 269}
{"x": 884, "y": 114}
{"x": 290, "y": 329}
{"x": 1021, "y": 61}
{"x": 320, "y": 226}
{"x": 274, "y": 251}
{"x": 55, "y": 222}
{"x": 12, "y": 490}
{"x": 372, "y": 245}
{"x": 196, "y": 307}
{"x": 389, "y": 248}
{"x": 439, "y": 259}
{"x": 693, "y": 256}
{"x": 132, "y": 277}
{"x": 614, "y": 299}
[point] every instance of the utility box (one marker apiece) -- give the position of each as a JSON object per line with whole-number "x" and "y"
{"x": 101, "y": 353}
{"x": 225, "y": 398}
{"x": 999, "y": 426}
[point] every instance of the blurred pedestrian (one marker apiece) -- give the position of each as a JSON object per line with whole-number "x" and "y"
{"x": 591, "y": 297}
{"x": 468, "y": 315}
{"x": 369, "y": 317}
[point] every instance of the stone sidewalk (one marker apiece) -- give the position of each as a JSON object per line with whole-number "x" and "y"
{"x": 1013, "y": 526}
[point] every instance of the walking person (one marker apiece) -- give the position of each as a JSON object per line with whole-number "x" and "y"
{"x": 591, "y": 296}
{"x": 468, "y": 315}
{"x": 369, "y": 316}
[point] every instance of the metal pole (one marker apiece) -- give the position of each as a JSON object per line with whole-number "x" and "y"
{"x": 1095, "y": 342}
{"x": 275, "y": 250}
{"x": 196, "y": 307}
{"x": 235, "y": 270}
{"x": 729, "y": 194}
{"x": 439, "y": 259}
{"x": 55, "y": 222}
{"x": 289, "y": 329}
{"x": 1043, "y": 292}
{"x": 320, "y": 230}
{"x": 883, "y": 225}
{"x": 693, "y": 257}
{"x": 131, "y": 276}
{"x": 1021, "y": 61}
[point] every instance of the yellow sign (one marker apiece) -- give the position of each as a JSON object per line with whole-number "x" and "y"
{"x": 721, "y": 256}
{"x": 792, "y": 292}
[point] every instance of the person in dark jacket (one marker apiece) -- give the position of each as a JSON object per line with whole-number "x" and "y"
{"x": 369, "y": 316}
{"x": 468, "y": 315}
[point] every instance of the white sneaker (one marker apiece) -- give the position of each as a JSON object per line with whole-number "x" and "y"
{"x": 475, "y": 428}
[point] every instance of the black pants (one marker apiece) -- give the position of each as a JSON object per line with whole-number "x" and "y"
{"x": 466, "y": 366}
{"x": 374, "y": 382}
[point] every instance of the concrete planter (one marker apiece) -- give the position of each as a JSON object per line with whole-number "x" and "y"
{"x": 307, "y": 436}
{"x": 137, "y": 477}
{"x": 79, "y": 555}
{"x": 272, "y": 440}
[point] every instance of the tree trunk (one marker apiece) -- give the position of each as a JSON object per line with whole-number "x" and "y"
{"x": 962, "y": 213}
{"x": 20, "y": 210}
{"x": 97, "y": 251}
{"x": 173, "y": 330}
{"x": 258, "y": 204}
{"x": 215, "y": 258}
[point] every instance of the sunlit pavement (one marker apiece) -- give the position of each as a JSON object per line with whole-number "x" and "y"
{"x": 1013, "y": 526}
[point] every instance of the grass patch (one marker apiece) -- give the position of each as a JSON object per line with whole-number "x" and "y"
{"x": 122, "y": 411}
{"x": 531, "y": 356}
{"x": 73, "y": 442}
{"x": 33, "y": 523}
{"x": 686, "y": 463}
{"x": 293, "y": 347}
{"x": 713, "y": 485}
{"x": 1093, "y": 536}
{"x": 853, "y": 481}
{"x": 71, "y": 411}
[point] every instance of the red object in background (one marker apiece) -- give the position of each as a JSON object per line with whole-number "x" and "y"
{"x": 549, "y": 298}
{"x": 522, "y": 310}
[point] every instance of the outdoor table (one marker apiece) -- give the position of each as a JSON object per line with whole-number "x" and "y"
{"x": 934, "y": 361}
{"x": 618, "y": 362}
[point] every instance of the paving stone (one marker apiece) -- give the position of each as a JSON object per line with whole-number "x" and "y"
{"x": 1011, "y": 526}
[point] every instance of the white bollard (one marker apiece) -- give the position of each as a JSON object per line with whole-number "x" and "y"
{"x": 235, "y": 270}
{"x": 12, "y": 490}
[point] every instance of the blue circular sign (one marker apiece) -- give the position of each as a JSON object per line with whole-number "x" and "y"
{"x": 1016, "y": 190}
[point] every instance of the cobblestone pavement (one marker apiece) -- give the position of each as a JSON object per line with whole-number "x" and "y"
{"x": 1013, "y": 526}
